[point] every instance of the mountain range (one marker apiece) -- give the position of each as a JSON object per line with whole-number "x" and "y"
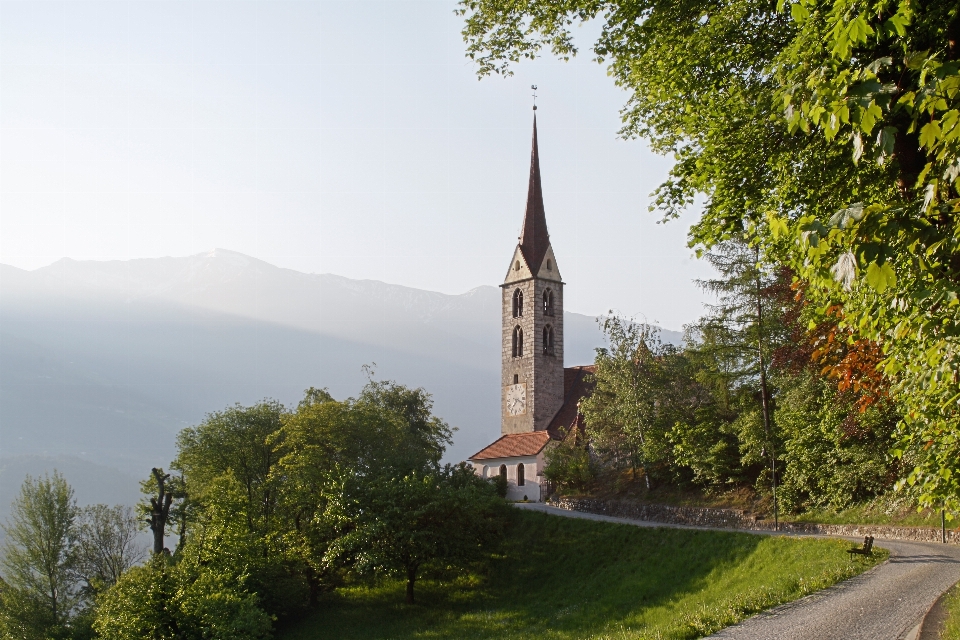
{"x": 103, "y": 362}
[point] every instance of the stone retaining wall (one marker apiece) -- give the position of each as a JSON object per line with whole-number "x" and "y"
{"x": 737, "y": 519}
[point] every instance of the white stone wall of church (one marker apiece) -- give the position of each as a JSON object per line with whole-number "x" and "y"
{"x": 532, "y": 467}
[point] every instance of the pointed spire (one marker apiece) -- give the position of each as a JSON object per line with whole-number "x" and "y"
{"x": 534, "y": 239}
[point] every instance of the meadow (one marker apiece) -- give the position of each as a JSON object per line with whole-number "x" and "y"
{"x": 951, "y": 627}
{"x": 565, "y": 578}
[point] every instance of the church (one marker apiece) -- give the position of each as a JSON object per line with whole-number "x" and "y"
{"x": 539, "y": 399}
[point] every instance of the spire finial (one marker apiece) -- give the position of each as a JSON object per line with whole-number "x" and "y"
{"x": 534, "y": 87}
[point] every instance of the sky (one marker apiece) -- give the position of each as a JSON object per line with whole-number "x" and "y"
{"x": 328, "y": 137}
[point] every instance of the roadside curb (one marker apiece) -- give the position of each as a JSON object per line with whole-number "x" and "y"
{"x": 736, "y": 519}
{"x": 932, "y": 624}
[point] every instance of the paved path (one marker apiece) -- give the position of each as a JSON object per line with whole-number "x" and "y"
{"x": 886, "y": 603}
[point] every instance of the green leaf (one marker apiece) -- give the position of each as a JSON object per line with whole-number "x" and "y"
{"x": 869, "y": 117}
{"x": 930, "y": 134}
{"x": 916, "y": 59}
{"x": 865, "y": 88}
{"x": 798, "y": 12}
{"x": 881, "y": 277}
{"x": 898, "y": 24}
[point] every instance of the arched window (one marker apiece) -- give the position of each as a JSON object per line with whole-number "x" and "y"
{"x": 520, "y": 475}
{"x": 548, "y": 302}
{"x": 548, "y": 340}
{"x": 517, "y": 342}
{"x": 503, "y": 471}
{"x": 549, "y": 266}
{"x": 517, "y": 303}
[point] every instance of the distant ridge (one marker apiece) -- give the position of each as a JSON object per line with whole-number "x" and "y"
{"x": 113, "y": 358}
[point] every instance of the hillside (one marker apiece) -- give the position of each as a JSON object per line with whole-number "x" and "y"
{"x": 593, "y": 580}
{"x": 105, "y": 362}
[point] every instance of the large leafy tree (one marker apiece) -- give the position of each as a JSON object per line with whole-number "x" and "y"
{"x": 825, "y": 129}
{"x": 740, "y": 334}
{"x": 40, "y": 591}
{"x": 398, "y": 525}
{"x": 235, "y": 446}
{"x": 389, "y": 429}
{"x": 107, "y": 545}
{"x": 637, "y": 398}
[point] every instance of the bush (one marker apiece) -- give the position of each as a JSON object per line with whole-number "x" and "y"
{"x": 167, "y": 601}
{"x": 499, "y": 483}
{"x": 569, "y": 466}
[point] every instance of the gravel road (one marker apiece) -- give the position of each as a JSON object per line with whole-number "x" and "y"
{"x": 886, "y": 603}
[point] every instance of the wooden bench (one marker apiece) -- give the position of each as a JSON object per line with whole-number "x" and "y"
{"x": 866, "y": 549}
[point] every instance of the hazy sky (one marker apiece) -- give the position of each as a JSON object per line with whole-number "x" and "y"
{"x": 343, "y": 137}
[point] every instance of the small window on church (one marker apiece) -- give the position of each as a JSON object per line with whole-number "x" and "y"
{"x": 548, "y": 302}
{"x": 520, "y": 475}
{"x": 503, "y": 471}
{"x": 517, "y": 266}
{"x": 516, "y": 379}
{"x": 517, "y": 342}
{"x": 517, "y": 303}
{"x": 548, "y": 340}
{"x": 549, "y": 266}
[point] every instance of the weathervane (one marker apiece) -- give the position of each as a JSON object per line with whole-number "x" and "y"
{"x": 534, "y": 87}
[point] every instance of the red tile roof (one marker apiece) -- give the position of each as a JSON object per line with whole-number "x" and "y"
{"x": 567, "y": 420}
{"x": 513, "y": 445}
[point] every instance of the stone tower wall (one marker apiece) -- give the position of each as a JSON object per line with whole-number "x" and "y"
{"x": 542, "y": 374}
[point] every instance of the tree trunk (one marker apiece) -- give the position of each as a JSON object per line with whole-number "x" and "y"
{"x": 765, "y": 398}
{"x": 160, "y": 511}
{"x": 411, "y": 578}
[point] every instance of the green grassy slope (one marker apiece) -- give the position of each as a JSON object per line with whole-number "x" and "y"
{"x": 565, "y": 578}
{"x": 951, "y": 627}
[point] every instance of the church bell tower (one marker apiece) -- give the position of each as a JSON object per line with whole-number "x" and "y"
{"x": 532, "y": 321}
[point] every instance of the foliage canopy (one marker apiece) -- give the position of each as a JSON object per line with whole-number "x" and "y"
{"x": 825, "y": 131}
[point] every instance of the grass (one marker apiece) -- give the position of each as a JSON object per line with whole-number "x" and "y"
{"x": 951, "y": 627}
{"x": 564, "y": 578}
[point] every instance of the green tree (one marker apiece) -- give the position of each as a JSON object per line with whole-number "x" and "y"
{"x": 426, "y": 436}
{"x": 237, "y": 443}
{"x": 398, "y": 525}
{"x": 106, "y": 545}
{"x": 389, "y": 430}
{"x": 38, "y": 559}
{"x": 741, "y": 331}
{"x": 568, "y": 465}
{"x": 163, "y": 496}
{"x": 834, "y": 454}
{"x": 629, "y": 413}
{"x": 771, "y": 112}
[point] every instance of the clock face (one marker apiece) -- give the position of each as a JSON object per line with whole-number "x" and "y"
{"x": 516, "y": 398}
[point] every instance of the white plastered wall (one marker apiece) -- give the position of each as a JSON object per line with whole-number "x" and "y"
{"x": 532, "y": 468}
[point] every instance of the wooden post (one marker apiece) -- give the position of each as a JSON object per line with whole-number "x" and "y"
{"x": 943, "y": 526}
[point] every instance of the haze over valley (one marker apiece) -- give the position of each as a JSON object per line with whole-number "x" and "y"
{"x": 102, "y": 363}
